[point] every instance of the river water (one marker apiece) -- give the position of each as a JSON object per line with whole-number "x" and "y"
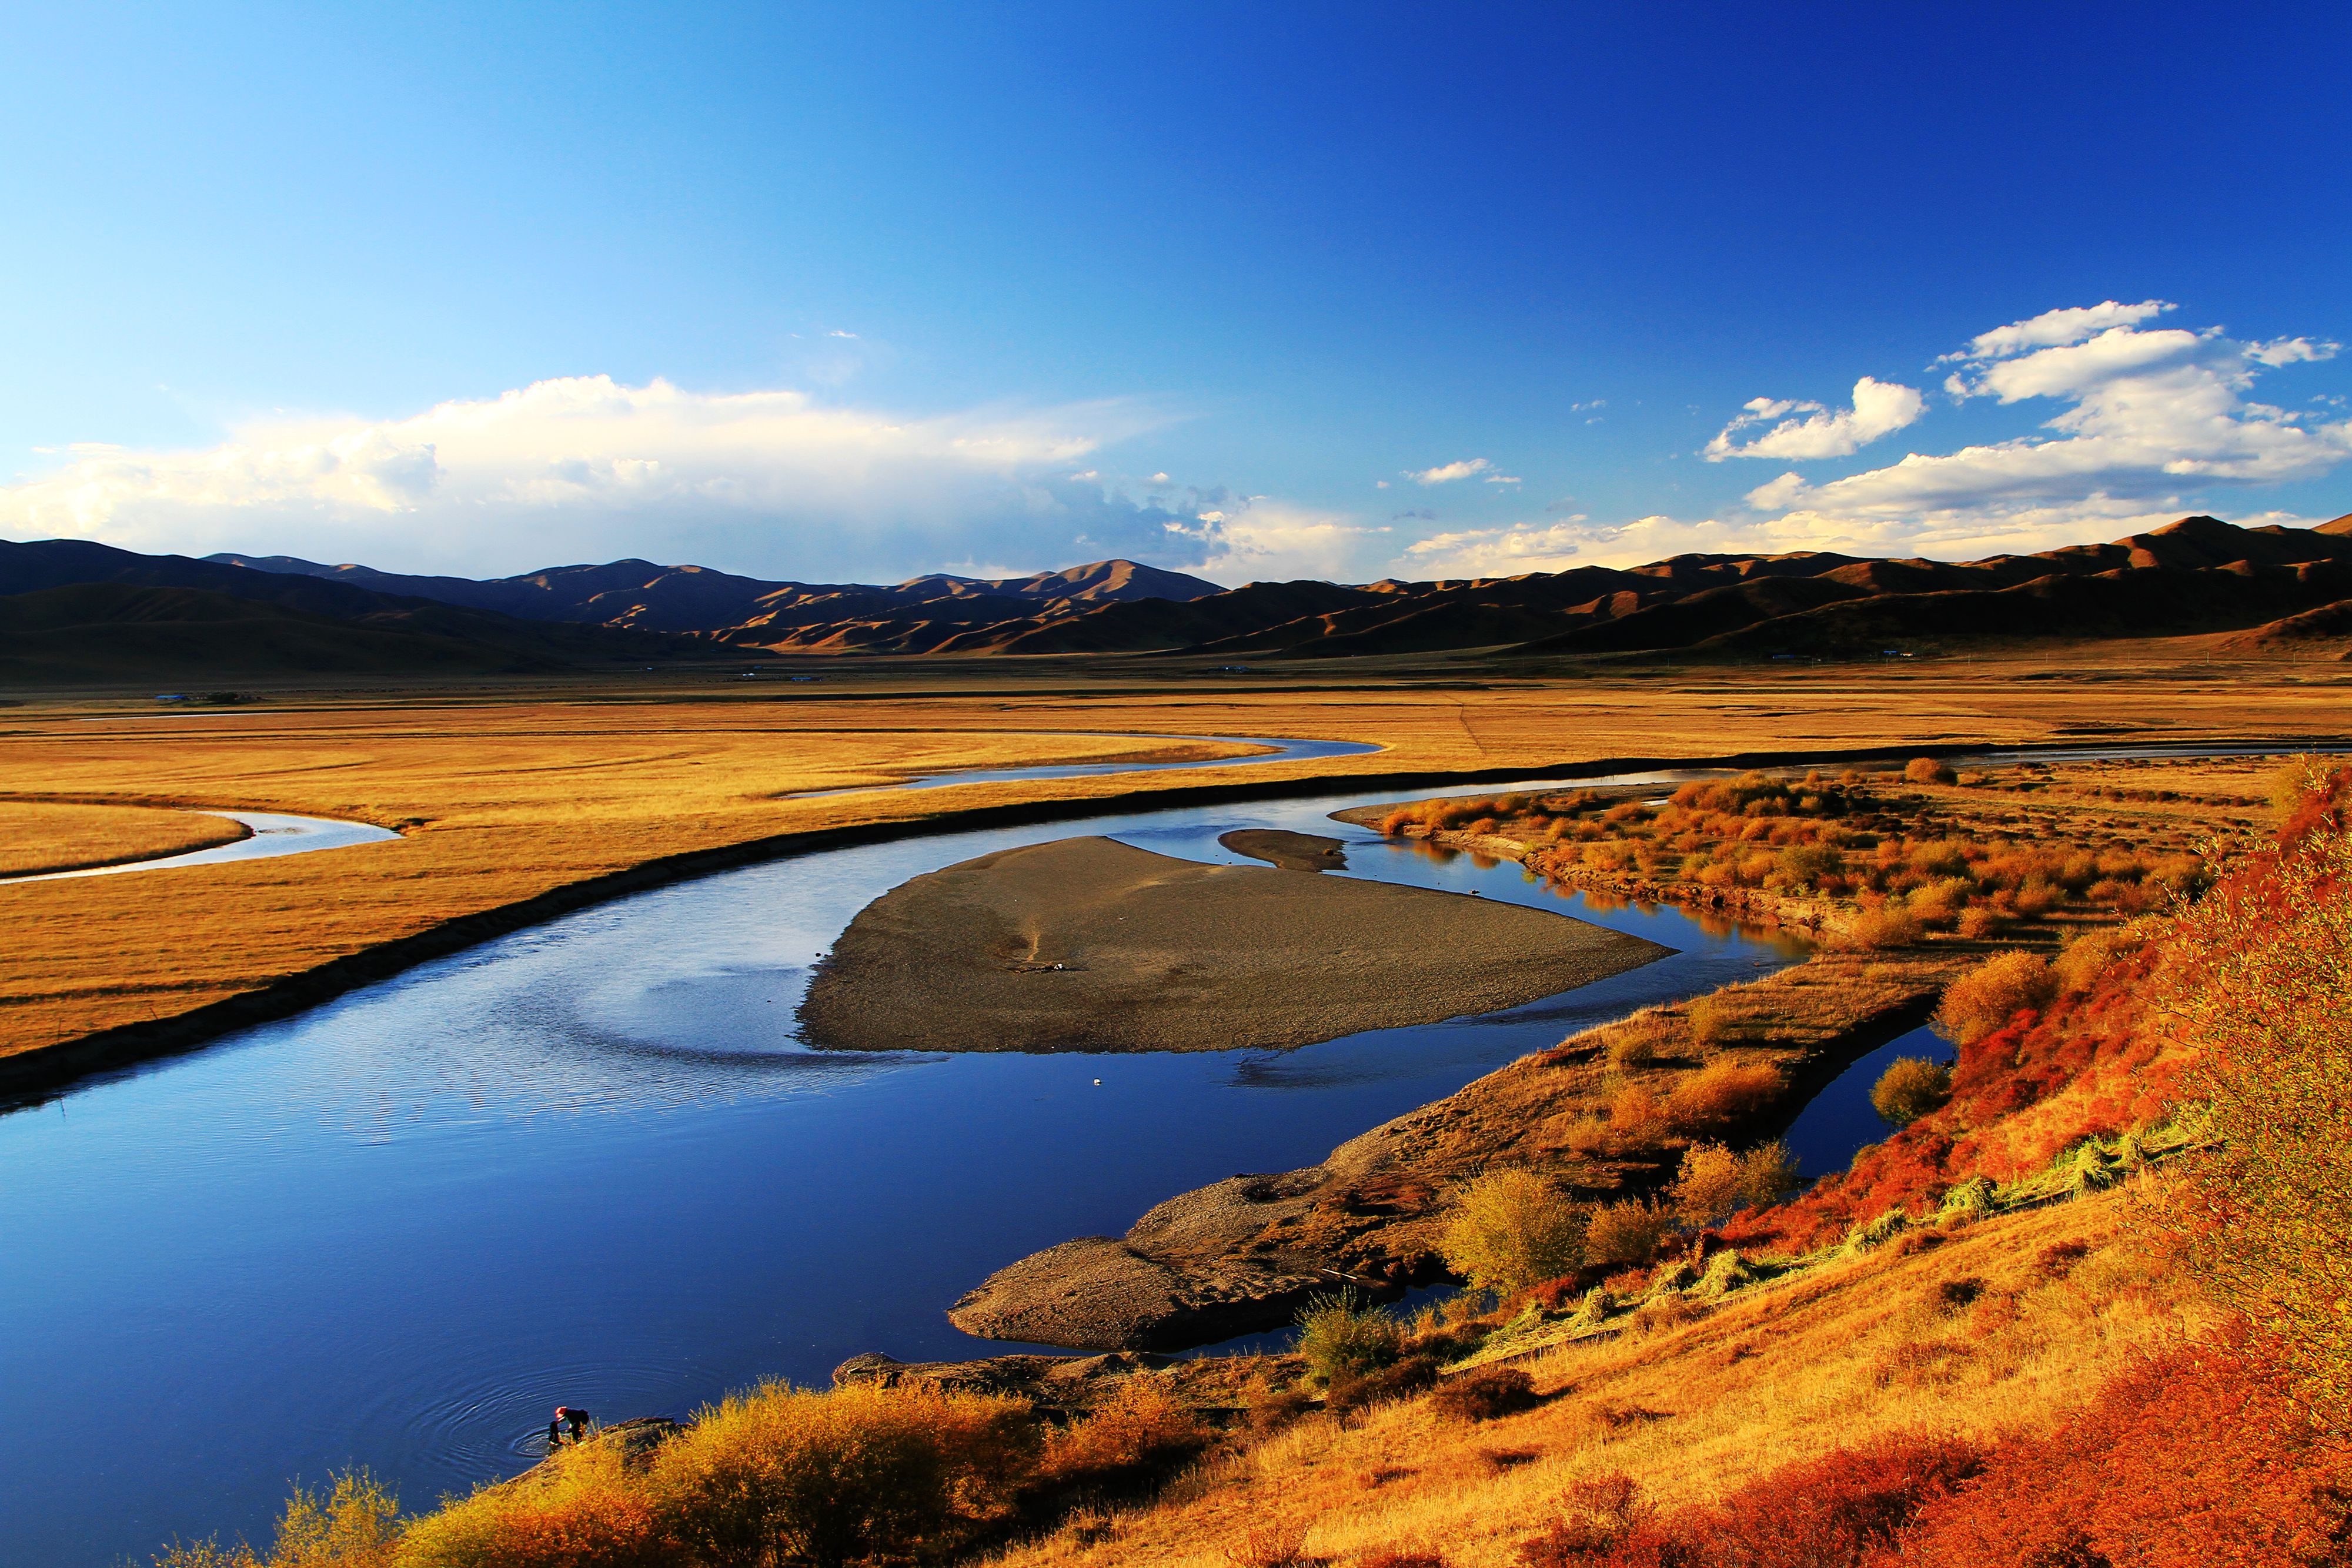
{"x": 589, "y": 1163}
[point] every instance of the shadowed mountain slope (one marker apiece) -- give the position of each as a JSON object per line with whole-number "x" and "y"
{"x": 696, "y": 599}
{"x": 71, "y": 610}
{"x": 2198, "y": 575}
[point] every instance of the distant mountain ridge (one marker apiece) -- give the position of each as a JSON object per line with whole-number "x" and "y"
{"x": 654, "y": 598}
{"x": 2269, "y": 591}
{"x": 71, "y": 611}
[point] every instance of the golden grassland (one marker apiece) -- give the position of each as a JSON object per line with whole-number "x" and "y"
{"x": 1825, "y": 1359}
{"x": 503, "y": 795}
{"x": 47, "y": 836}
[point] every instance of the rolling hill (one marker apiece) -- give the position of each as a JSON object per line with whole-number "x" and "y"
{"x": 71, "y": 611}
{"x": 2265, "y": 591}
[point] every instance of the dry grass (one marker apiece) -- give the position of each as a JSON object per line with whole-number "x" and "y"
{"x": 51, "y": 836}
{"x": 1785, "y": 1372}
{"x": 507, "y": 795}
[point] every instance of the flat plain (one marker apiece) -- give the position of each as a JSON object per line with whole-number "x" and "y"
{"x": 504, "y": 794}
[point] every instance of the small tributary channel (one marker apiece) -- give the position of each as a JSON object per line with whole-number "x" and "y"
{"x": 589, "y": 1163}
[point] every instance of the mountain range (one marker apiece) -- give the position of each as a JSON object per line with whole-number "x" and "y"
{"x": 74, "y": 610}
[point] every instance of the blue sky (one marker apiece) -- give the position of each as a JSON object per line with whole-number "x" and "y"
{"x": 858, "y": 292}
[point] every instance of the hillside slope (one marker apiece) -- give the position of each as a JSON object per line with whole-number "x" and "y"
{"x": 72, "y": 610}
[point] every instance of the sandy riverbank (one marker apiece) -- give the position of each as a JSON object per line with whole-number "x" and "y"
{"x": 1087, "y": 944}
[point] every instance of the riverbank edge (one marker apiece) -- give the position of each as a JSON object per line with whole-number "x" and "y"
{"x": 35, "y": 1076}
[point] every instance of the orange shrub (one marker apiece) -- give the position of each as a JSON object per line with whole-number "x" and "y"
{"x": 1886, "y": 927}
{"x": 584, "y": 1505}
{"x": 1992, "y": 993}
{"x": 1627, "y": 1232}
{"x": 1142, "y": 1429}
{"x": 1723, "y": 1093}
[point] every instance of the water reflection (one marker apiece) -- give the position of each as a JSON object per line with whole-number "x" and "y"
{"x": 591, "y": 1164}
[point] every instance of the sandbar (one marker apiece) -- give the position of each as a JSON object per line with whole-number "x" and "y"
{"x": 1090, "y": 945}
{"x": 1289, "y": 850}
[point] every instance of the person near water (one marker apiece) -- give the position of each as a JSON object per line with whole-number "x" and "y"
{"x": 574, "y": 1421}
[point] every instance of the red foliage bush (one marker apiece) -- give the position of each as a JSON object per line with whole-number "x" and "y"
{"x": 1841, "y": 1511}
{"x": 2196, "y": 1458}
{"x": 2097, "y": 1047}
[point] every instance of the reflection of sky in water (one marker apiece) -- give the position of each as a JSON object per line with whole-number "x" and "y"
{"x": 590, "y": 1163}
{"x": 1840, "y": 1121}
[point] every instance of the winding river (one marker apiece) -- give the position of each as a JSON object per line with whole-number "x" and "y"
{"x": 589, "y": 1163}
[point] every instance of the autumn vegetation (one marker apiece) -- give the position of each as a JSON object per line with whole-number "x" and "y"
{"x": 2084, "y": 1307}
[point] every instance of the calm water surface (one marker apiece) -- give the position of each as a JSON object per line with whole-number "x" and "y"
{"x": 590, "y": 1163}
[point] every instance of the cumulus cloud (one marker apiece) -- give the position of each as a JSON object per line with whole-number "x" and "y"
{"x": 2152, "y": 416}
{"x": 1879, "y": 408}
{"x": 1254, "y": 539}
{"x": 1498, "y": 552}
{"x": 1446, "y": 473}
{"x": 586, "y": 468}
{"x": 2071, "y": 325}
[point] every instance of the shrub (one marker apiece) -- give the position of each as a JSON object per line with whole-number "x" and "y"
{"x": 1636, "y": 1041}
{"x": 584, "y": 1505}
{"x": 1715, "y": 1181}
{"x": 1628, "y": 1232}
{"x": 1841, "y": 1511}
{"x": 1709, "y": 1186}
{"x": 354, "y": 1524}
{"x": 1339, "y": 1337}
{"x": 1979, "y": 923}
{"x": 1401, "y": 1381}
{"x": 1992, "y": 993}
{"x": 1723, "y": 1093}
{"x": 1768, "y": 1173}
{"x": 1886, "y": 927}
{"x": 1139, "y": 1431}
{"x": 1281, "y": 1543}
{"x": 2198, "y": 1457}
{"x": 1636, "y": 1117}
{"x": 1511, "y": 1228}
{"x": 1804, "y": 865}
{"x": 2087, "y": 957}
{"x": 785, "y": 1475}
{"x": 2263, "y": 994}
{"x": 1910, "y": 1088}
{"x": 1709, "y": 1019}
{"x": 1929, "y": 771}
{"x": 1485, "y": 1395}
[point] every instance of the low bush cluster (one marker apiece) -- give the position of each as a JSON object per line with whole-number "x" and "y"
{"x": 1716, "y": 1181}
{"x": 777, "y": 1478}
{"x": 1486, "y": 1395}
{"x": 1898, "y": 856}
{"x": 1845, "y": 1510}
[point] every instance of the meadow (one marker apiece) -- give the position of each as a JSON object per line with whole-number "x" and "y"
{"x": 506, "y": 794}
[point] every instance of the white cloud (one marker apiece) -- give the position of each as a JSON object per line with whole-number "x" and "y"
{"x": 1498, "y": 552}
{"x": 1446, "y": 473}
{"x": 585, "y": 468}
{"x": 2152, "y": 416}
{"x": 1504, "y": 479}
{"x": 1879, "y": 409}
{"x": 1259, "y": 540}
{"x": 2071, "y": 325}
